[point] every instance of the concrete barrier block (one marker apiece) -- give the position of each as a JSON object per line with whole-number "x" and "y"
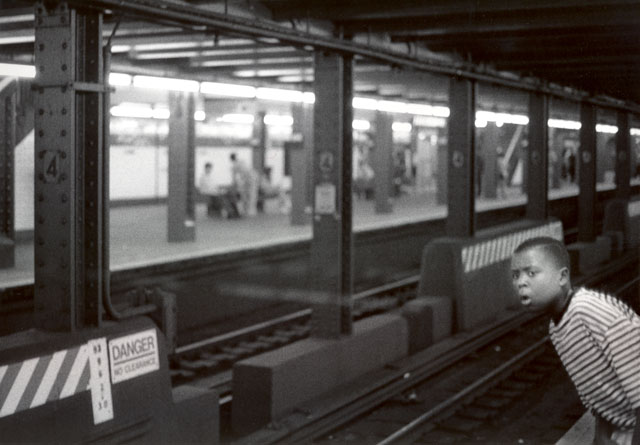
{"x": 429, "y": 320}
{"x": 269, "y": 386}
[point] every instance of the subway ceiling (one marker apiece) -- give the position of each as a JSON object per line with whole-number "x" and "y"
{"x": 589, "y": 46}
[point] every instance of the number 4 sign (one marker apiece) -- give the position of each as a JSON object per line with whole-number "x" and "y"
{"x": 51, "y": 166}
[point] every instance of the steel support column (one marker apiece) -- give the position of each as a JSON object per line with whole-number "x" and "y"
{"x": 460, "y": 183}
{"x": 259, "y": 142}
{"x": 537, "y": 186}
{"x": 623, "y": 156}
{"x": 332, "y": 245}
{"x": 298, "y": 153}
{"x": 383, "y": 162}
{"x": 8, "y": 92}
{"x": 587, "y": 174}
{"x": 69, "y": 179}
{"x": 489, "y": 154}
{"x": 181, "y": 205}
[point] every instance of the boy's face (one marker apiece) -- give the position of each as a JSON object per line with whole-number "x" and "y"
{"x": 540, "y": 283}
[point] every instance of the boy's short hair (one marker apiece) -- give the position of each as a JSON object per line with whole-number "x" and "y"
{"x": 551, "y": 246}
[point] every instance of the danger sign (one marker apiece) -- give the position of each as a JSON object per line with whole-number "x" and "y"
{"x": 133, "y": 355}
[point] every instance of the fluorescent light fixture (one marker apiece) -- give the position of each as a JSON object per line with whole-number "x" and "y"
{"x": 279, "y": 95}
{"x": 308, "y": 97}
{"x": 278, "y": 120}
{"x": 392, "y": 106}
{"x": 165, "y": 83}
{"x": 26, "y": 38}
{"x": 16, "y": 70}
{"x": 236, "y": 118}
{"x": 401, "y": 127}
{"x": 360, "y": 124}
{"x": 363, "y": 103}
{"x": 604, "y": 128}
{"x": 167, "y": 55}
{"x": 480, "y": 123}
{"x": 199, "y": 115}
{"x": 564, "y": 124}
{"x": 134, "y": 110}
{"x": 119, "y": 79}
{"x": 227, "y": 89}
{"x": 295, "y": 79}
{"x": 272, "y": 72}
{"x": 219, "y": 63}
{"x": 139, "y": 110}
{"x": 16, "y": 18}
{"x": 634, "y": 132}
{"x": 115, "y": 49}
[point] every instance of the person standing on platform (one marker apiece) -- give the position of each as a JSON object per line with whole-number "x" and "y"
{"x": 246, "y": 182}
{"x": 596, "y": 336}
{"x": 208, "y": 187}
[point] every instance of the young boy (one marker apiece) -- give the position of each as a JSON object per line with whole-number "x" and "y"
{"x": 596, "y": 336}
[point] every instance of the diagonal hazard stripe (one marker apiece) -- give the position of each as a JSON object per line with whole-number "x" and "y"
{"x": 63, "y": 372}
{"x": 3, "y": 370}
{"x": 7, "y": 382}
{"x": 75, "y": 373}
{"x": 85, "y": 377}
{"x": 48, "y": 379}
{"x": 34, "y": 383}
{"x": 17, "y": 389}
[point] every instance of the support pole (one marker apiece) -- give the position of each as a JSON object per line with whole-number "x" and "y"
{"x": 181, "y": 205}
{"x": 332, "y": 245}
{"x": 383, "y": 162}
{"x": 587, "y": 174}
{"x": 69, "y": 179}
{"x": 623, "y": 155}
{"x": 460, "y": 188}
{"x": 537, "y": 187}
{"x": 8, "y": 92}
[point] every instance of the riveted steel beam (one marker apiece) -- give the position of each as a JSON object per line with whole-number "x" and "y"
{"x": 332, "y": 243}
{"x": 7, "y": 193}
{"x": 69, "y": 180}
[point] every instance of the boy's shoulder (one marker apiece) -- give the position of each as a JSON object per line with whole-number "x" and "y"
{"x": 589, "y": 301}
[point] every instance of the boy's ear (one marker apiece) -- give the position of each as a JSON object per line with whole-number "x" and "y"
{"x": 564, "y": 276}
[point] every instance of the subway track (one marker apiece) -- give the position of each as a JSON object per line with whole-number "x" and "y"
{"x": 443, "y": 401}
{"x": 215, "y": 293}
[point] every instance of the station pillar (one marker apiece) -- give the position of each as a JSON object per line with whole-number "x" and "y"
{"x": 259, "y": 142}
{"x": 7, "y": 193}
{"x": 490, "y": 144}
{"x": 537, "y": 186}
{"x": 68, "y": 169}
{"x": 460, "y": 183}
{"x": 623, "y": 156}
{"x": 298, "y": 155}
{"x": 332, "y": 244}
{"x": 181, "y": 204}
{"x": 587, "y": 174}
{"x": 383, "y": 162}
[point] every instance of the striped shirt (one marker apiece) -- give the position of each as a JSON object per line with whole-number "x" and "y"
{"x": 598, "y": 341}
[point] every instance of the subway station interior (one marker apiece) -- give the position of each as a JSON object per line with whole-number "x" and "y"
{"x": 292, "y": 221}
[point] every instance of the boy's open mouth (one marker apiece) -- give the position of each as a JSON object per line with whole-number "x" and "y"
{"x": 525, "y": 300}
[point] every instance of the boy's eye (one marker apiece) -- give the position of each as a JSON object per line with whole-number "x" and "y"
{"x": 531, "y": 274}
{"x": 514, "y": 275}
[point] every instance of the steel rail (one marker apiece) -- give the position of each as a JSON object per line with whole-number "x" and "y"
{"x": 202, "y": 20}
{"x": 505, "y": 368}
